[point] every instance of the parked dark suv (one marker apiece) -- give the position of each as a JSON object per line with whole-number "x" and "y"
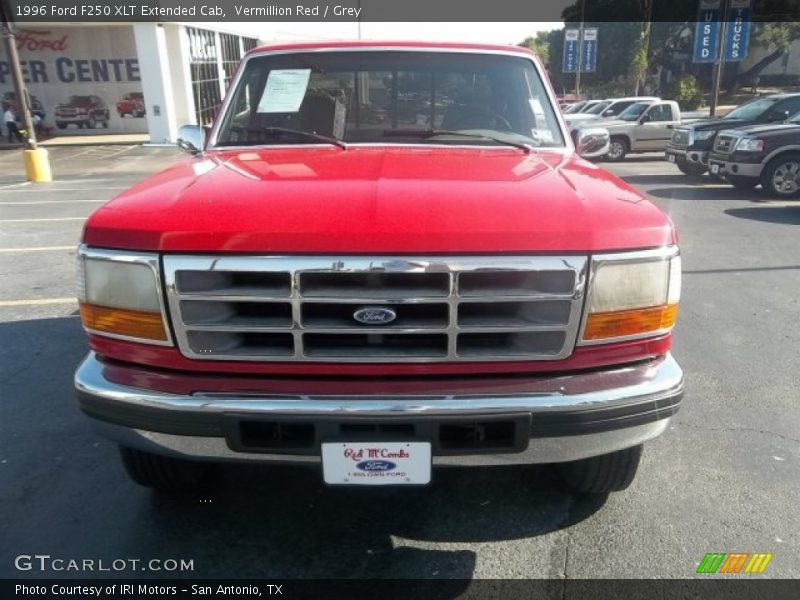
{"x": 83, "y": 111}
{"x": 691, "y": 144}
{"x": 765, "y": 154}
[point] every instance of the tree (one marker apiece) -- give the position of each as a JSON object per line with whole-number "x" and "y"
{"x": 777, "y": 38}
{"x": 539, "y": 44}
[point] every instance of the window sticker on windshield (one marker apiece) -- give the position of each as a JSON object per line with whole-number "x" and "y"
{"x": 284, "y": 91}
{"x": 537, "y": 108}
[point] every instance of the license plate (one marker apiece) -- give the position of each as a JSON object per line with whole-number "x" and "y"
{"x": 715, "y": 168}
{"x": 671, "y": 158}
{"x": 376, "y": 463}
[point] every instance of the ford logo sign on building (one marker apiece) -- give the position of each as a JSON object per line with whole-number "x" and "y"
{"x": 374, "y": 315}
{"x": 376, "y": 465}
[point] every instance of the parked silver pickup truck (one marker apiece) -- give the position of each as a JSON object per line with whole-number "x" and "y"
{"x": 645, "y": 126}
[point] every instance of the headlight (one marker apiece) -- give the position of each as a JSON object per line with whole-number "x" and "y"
{"x": 632, "y": 295}
{"x": 703, "y": 135}
{"x": 119, "y": 295}
{"x": 750, "y": 145}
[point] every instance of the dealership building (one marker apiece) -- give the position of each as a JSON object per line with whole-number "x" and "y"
{"x": 141, "y": 78}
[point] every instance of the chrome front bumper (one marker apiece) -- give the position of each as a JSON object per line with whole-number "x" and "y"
{"x": 563, "y": 418}
{"x": 736, "y": 169}
{"x": 683, "y": 154}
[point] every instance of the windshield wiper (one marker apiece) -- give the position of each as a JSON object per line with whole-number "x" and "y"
{"x": 429, "y": 133}
{"x": 306, "y": 134}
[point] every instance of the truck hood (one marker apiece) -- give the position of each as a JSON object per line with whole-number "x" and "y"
{"x": 580, "y": 117}
{"x": 716, "y": 124}
{"x": 409, "y": 199}
{"x": 769, "y": 129}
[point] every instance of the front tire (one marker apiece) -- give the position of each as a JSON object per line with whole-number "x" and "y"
{"x": 91, "y": 123}
{"x": 617, "y": 150}
{"x": 602, "y": 474}
{"x": 782, "y": 176}
{"x": 691, "y": 169}
{"x": 161, "y": 472}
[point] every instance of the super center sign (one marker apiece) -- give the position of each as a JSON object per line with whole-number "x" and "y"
{"x": 46, "y": 60}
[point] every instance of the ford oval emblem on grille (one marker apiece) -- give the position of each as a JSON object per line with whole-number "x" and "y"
{"x": 374, "y": 315}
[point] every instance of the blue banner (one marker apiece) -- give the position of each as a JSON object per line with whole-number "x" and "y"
{"x": 706, "y": 33}
{"x": 737, "y": 34}
{"x": 570, "y": 62}
{"x": 589, "y": 51}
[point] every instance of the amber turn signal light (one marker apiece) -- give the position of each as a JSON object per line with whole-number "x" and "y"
{"x": 119, "y": 321}
{"x": 625, "y": 323}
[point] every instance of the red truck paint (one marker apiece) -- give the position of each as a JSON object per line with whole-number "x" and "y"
{"x": 380, "y": 199}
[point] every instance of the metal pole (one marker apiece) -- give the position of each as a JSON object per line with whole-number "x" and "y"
{"x": 720, "y": 62}
{"x": 19, "y": 83}
{"x": 580, "y": 51}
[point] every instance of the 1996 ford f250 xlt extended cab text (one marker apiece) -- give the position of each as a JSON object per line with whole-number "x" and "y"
{"x": 382, "y": 257}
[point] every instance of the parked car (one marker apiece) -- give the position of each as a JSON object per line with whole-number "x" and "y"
{"x": 575, "y": 107}
{"x": 131, "y": 104}
{"x": 691, "y": 144}
{"x": 607, "y": 108}
{"x": 379, "y": 300}
{"x": 761, "y": 154}
{"x": 82, "y": 111}
{"x": 642, "y": 127}
{"x": 9, "y": 100}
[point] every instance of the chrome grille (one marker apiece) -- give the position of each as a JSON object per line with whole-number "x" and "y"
{"x": 724, "y": 144}
{"x": 259, "y": 308}
{"x": 680, "y": 137}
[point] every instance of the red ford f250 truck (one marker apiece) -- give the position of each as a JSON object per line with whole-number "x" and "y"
{"x": 450, "y": 285}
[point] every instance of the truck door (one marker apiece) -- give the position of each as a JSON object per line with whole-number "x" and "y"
{"x": 654, "y": 128}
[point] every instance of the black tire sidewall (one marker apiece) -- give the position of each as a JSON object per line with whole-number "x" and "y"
{"x": 769, "y": 174}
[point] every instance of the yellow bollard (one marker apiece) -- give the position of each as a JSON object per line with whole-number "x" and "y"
{"x": 37, "y": 165}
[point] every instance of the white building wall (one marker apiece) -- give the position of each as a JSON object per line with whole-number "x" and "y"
{"x": 177, "y": 47}
{"x": 151, "y": 46}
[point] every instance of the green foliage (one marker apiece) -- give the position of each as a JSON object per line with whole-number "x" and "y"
{"x": 686, "y": 92}
{"x": 539, "y": 44}
{"x": 778, "y": 36}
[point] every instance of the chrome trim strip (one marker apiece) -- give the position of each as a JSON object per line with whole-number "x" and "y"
{"x": 597, "y": 260}
{"x": 623, "y": 386}
{"x": 450, "y": 265}
{"x": 123, "y": 256}
{"x": 212, "y": 138}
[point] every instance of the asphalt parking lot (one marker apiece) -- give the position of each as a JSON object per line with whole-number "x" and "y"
{"x": 724, "y": 478}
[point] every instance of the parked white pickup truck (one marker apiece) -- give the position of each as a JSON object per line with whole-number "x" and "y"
{"x": 644, "y": 126}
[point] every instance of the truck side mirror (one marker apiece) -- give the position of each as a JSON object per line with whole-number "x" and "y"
{"x": 593, "y": 142}
{"x": 192, "y": 138}
{"x": 645, "y": 118}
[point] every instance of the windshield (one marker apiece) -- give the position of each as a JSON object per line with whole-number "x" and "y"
{"x": 633, "y": 112}
{"x": 599, "y": 107}
{"x": 79, "y": 100}
{"x": 751, "y": 110}
{"x": 575, "y": 107}
{"x": 389, "y": 98}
